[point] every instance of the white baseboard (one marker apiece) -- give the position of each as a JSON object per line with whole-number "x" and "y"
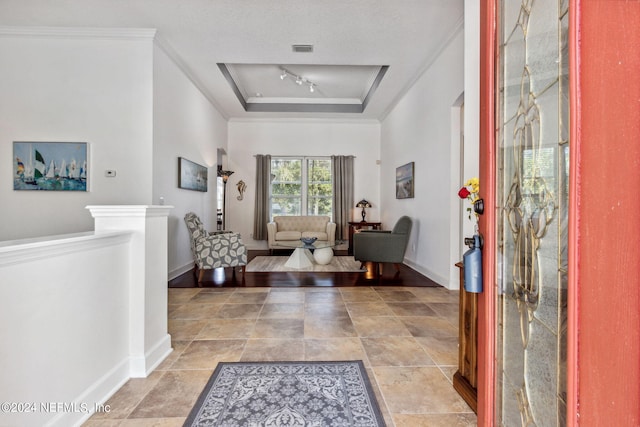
{"x": 141, "y": 366}
{"x": 440, "y": 280}
{"x": 180, "y": 270}
{"x": 94, "y": 397}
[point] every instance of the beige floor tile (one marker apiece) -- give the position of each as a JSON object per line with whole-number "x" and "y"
{"x": 256, "y": 297}
{"x": 178, "y": 348}
{"x": 273, "y": 350}
{"x": 102, "y": 423}
{"x": 174, "y": 395}
{"x": 429, "y": 327}
{"x": 397, "y": 295}
{"x": 282, "y": 311}
{"x": 185, "y": 330}
{"x": 286, "y": 296}
{"x": 436, "y": 295}
{"x": 323, "y": 297}
{"x": 435, "y": 420}
{"x": 153, "y": 422}
{"x": 124, "y": 401}
{"x": 380, "y": 327}
{"x": 240, "y": 311}
{"x": 447, "y": 310}
{"x": 181, "y": 295}
{"x": 443, "y": 350}
{"x": 422, "y": 390}
{"x": 360, "y": 295}
{"x": 369, "y": 309}
{"x": 395, "y": 351}
{"x": 411, "y": 309}
{"x": 398, "y": 332}
{"x": 206, "y": 297}
{"x": 329, "y": 328}
{"x": 335, "y": 349}
{"x": 205, "y": 354}
{"x": 195, "y": 311}
{"x": 323, "y": 311}
{"x": 227, "y": 328}
{"x": 279, "y": 328}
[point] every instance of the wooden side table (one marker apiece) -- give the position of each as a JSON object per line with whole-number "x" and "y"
{"x": 465, "y": 381}
{"x": 359, "y": 225}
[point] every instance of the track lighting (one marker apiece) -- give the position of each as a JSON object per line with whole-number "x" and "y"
{"x": 299, "y": 80}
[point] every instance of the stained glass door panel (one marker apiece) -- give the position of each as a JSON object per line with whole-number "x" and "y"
{"x": 533, "y": 153}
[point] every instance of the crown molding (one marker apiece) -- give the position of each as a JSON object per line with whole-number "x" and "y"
{"x": 457, "y": 29}
{"x": 79, "y": 33}
{"x": 319, "y": 120}
{"x": 166, "y": 47}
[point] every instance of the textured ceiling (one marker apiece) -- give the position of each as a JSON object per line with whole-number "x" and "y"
{"x": 351, "y": 41}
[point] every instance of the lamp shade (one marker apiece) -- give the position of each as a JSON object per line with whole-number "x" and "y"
{"x": 363, "y": 204}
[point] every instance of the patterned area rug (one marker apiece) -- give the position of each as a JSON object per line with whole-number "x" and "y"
{"x": 291, "y": 394}
{"x": 276, "y": 263}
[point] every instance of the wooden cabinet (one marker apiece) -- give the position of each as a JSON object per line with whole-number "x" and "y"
{"x": 354, "y": 226}
{"x": 465, "y": 380}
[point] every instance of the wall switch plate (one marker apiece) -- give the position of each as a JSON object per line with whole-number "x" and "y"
{"x": 110, "y": 173}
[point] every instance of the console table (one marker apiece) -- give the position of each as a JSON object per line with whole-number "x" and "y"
{"x": 465, "y": 380}
{"x": 359, "y": 225}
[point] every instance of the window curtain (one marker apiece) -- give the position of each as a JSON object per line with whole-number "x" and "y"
{"x": 263, "y": 180}
{"x": 342, "y": 194}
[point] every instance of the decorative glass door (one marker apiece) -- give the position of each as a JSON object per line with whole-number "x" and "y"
{"x": 533, "y": 170}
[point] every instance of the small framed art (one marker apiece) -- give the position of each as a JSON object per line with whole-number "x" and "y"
{"x": 191, "y": 176}
{"x": 404, "y": 181}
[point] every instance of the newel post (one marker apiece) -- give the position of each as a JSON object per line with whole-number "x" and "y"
{"x": 149, "y": 341}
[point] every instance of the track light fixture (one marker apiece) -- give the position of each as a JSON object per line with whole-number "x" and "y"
{"x": 299, "y": 80}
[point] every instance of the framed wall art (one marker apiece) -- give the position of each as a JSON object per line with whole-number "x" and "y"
{"x": 50, "y": 166}
{"x": 191, "y": 176}
{"x": 404, "y": 181}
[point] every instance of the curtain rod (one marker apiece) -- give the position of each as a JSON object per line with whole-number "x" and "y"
{"x": 289, "y": 155}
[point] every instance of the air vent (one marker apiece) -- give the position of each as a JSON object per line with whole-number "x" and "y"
{"x": 302, "y": 48}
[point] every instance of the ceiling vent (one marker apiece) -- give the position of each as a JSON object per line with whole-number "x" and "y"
{"x": 302, "y": 48}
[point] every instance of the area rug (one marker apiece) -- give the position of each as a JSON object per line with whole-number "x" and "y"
{"x": 287, "y": 394}
{"x": 276, "y": 263}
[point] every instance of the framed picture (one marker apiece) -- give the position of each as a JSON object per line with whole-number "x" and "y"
{"x": 191, "y": 176}
{"x": 404, "y": 181}
{"x": 50, "y": 166}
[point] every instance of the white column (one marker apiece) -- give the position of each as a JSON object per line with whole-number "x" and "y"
{"x": 149, "y": 341}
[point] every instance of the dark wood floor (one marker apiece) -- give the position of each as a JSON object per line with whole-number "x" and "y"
{"x": 227, "y": 278}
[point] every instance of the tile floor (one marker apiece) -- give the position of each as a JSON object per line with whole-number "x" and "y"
{"x": 406, "y": 336}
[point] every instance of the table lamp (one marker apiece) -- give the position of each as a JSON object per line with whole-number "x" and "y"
{"x": 363, "y": 204}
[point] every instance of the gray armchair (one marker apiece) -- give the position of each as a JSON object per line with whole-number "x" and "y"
{"x": 382, "y": 246}
{"x": 214, "y": 249}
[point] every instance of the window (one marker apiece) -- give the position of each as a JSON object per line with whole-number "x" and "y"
{"x": 301, "y": 186}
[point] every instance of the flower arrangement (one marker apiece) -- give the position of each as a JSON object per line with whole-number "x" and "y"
{"x": 471, "y": 192}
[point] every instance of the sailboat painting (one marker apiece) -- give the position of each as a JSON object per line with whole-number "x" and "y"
{"x": 191, "y": 176}
{"x": 53, "y": 166}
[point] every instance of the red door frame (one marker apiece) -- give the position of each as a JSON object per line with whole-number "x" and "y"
{"x": 487, "y": 223}
{"x": 603, "y": 354}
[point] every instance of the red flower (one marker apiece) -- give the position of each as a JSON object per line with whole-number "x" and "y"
{"x": 464, "y": 193}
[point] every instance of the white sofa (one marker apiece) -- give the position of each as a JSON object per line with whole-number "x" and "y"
{"x": 289, "y": 229}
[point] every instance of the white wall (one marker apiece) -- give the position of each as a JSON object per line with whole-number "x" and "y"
{"x": 418, "y": 129}
{"x": 185, "y": 124}
{"x": 304, "y": 138}
{"x": 67, "y": 337}
{"x": 91, "y": 86}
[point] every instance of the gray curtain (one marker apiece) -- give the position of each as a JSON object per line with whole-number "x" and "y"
{"x": 342, "y": 194}
{"x": 263, "y": 180}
